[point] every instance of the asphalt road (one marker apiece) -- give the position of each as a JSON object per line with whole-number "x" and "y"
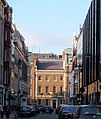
{"x": 42, "y": 116}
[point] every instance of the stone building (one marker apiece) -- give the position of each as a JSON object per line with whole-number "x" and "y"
{"x": 49, "y": 79}
{"x": 7, "y": 52}
{"x": 2, "y": 5}
{"x": 67, "y": 58}
{"x": 19, "y": 77}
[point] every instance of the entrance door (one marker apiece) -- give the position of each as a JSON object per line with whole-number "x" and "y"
{"x": 54, "y": 103}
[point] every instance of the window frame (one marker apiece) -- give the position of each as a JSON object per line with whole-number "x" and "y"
{"x": 54, "y": 78}
{"x": 47, "y": 87}
{"x": 61, "y": 77}
{"x": 39, "y": 88}
{"x": 39, "y": 78}
{"x": 47, "y": 78}
{"x": 54, "y": 87}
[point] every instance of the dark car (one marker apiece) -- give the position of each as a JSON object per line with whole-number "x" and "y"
{"x": 88, "y": 112}
{"x": 40, "y": 107}
{"x": 34, "y": 112}
{"x": 68, "y": 112}
{"x": 26, "y": 111}
{"x": 36, "y": 107}
{"x": 48, "y": 109}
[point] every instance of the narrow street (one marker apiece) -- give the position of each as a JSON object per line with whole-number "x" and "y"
{"x": 43, "y": 116}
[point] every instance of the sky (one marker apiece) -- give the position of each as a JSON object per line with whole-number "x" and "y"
{"x": 48, "y": 26}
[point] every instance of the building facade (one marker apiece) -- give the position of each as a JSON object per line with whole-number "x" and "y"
{"x": 48, "y": 82}
{"x": 19, "y": 77}
{"x": 67, "y": 58}
{"x": 7, "y": 52}
{"x": 2, "y": 5}
{"x": 92, "y": 54}
{"x": 74, "y": 74}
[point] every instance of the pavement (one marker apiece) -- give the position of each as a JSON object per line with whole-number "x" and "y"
{"x": 38, "y": 116}
{"x": 11, "y": 116}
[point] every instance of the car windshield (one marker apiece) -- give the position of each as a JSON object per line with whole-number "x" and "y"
{"x": 25, "y": 108}
{"x": 47, "y": 107}
{"x": 70, "y": 109}
{"x": 91, "y": 110}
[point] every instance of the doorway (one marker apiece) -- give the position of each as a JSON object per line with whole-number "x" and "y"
{"x": 54, "y": 103}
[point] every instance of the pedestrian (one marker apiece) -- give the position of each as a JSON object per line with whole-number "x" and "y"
{"x": 2, "y": 114}
{"x": 17, "y": 108}
{"x": 7, "y": 111}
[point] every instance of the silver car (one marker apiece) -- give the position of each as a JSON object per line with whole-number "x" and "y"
{"x": 88, "y": 112}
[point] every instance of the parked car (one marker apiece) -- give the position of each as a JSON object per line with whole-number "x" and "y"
{"x": 34, "y": 112}
{"x": 26, "y": 111}
{"x": 48, "y": 109}
{"x": 40, "y": 107}
{"x": 36, "y": 107}
{"x": 68, "y": 111}
{"x": 88, "y": 112}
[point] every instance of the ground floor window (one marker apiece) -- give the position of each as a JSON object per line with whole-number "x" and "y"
{"x": 46, "y": 101}
{"x": 39, "y": 101}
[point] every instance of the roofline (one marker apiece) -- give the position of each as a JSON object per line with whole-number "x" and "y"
{"x": 4, "y": 2}
{"x": 90, "y": 105}
{"x": 51, "y": 71}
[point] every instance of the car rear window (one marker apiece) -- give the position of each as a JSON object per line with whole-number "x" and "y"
{"x": 91, "y": 110}
{"x": 70, "y": 109}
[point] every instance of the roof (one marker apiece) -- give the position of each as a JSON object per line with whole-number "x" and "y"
{"x": 50, "y": 64}
{"x": 90, "y": 106}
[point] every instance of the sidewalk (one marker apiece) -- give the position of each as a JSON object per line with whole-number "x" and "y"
{"x": 11, "y": 116}
{"x": 3, "y": 117}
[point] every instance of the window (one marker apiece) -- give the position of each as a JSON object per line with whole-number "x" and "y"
{"x": 60, "y": 89}
{"x": 6, "y": 55}
{"x": 47, "y": 89}
{"x": 9, "y": 16}
{"x": 54, "y": 89}
{"x": 0, "y": 98}
{"x": 6, "y": 36}
{"x": 54, "y": 78}
{"x": 43, "y": 56}
{"x": 100, "y": 87}
{"x": 61, "y": 101}
{"x": 47, "y": 78}
{"x": 70, "y": 61}
{"x": 46, "y": 101}
{"x": 39, "y": 89}
{"x": 39, "y": 101}
{"x": 61, "y": 78}
{"x": 1, "y": 50}
{"x": 40, "y": 78}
